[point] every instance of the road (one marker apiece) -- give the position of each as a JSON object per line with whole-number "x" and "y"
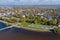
{"x": 21, "y": 34}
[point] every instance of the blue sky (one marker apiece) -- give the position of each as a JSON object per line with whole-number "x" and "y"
{"x": 29, "y": 2}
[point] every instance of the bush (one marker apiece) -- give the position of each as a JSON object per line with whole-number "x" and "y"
{"x": 30, "y": 21}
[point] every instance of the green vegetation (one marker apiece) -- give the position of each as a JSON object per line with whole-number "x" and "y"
{"x": 35, "y": 18}
{"x": 34, "y": 26}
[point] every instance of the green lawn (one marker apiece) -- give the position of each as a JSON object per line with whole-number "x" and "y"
{"x": 34, "y": 26}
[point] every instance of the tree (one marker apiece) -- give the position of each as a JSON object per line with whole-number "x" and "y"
{"x": 36, "y": 21}
{"x": 53, "y": 22}
{"x": 54, "y": 13}
{"x": 12, "y": 20}
{"x": 43, "y": 21}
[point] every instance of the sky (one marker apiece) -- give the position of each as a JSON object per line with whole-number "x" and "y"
{"x": 29, "y": 2}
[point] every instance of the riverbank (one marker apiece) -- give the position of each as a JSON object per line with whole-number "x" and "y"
{"x": 20, "y": 34}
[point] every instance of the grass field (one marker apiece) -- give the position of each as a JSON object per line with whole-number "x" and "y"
{"x": 34, "y": 26}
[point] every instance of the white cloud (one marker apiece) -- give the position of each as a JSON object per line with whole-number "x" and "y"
{"x": 6, "y": 0}
{"x": 46, "y": 0}
{"x": 32, "y": 1}
{"x": 36, "y": 1}
{"x": 54, "y": 0}
{"x": 23, "y": 0}
{"x": 29, "y": 2}
{"x": 50, "y": 0}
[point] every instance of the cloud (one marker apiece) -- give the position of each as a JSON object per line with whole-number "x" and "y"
{"x": 51, "y": 2}
{"x": 29, "y": 2}
{"x": 4, "y": 1}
